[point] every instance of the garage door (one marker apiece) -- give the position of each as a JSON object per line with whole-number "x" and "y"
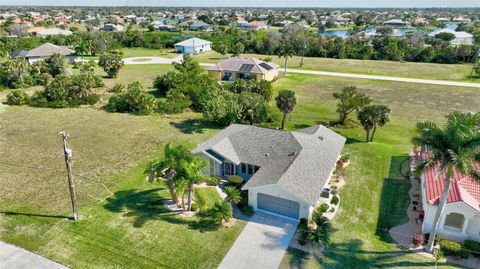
{"x": 278, "y": 205}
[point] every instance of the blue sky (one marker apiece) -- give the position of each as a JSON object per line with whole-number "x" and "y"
{"x": 253, "y": 3}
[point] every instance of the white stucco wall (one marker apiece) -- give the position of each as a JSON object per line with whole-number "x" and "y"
{"x": 197, "y": 49}
{"x": 471, "y": 229}
{"x": 277, "y": 191}
{"x": 206, "y": 170}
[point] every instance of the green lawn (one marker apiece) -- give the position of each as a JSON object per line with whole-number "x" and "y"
{"x": 375, "y": 196}
{"x": 206, "y": 197}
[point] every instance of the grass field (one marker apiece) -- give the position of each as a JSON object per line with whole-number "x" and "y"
{"x": 122, "y": 222}
{"x": 373, "y": 197}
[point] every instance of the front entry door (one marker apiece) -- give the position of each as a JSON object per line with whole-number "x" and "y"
{"x": 229, "y": 169}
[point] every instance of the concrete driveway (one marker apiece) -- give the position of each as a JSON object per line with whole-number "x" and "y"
{"x": 12, "y": 257}
{"x": 261, "y": 244}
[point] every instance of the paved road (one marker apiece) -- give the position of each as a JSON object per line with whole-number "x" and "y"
{"x": 12, "y": 257}
{"x": 262, "y": 243}
{"x": 399, "y": 79}
{"x": 160, "y": 60}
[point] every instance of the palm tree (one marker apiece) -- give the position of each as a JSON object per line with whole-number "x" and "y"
{"x": 453, "y": 147}
{"x": 286, "y": 51}
{"x": 193, "y": 175}
{"x": 221, "y": 211}
{"x": 371, "y": 117}
{"x": 233, "y": 194}
{"x": 286, "y": 102}
{"x": 170, "y": 166}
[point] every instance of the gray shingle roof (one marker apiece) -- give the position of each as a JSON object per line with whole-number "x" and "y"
{"x": 301, "y": 161}
{"x": 48, "y": 49}
{"x": 238, "y": 64}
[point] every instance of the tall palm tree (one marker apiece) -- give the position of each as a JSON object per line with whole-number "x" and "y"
{"x": 286, "y": 51}
{"x": 453, "y": 147}
{"x": 286, "y": 102}
{"x": 193, "y": 175}
{"x": 170, "y": 166}
{"x": 371, "y": 117}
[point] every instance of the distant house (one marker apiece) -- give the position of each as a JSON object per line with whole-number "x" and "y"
{"x": 253, "y": 25}
{"x": 461, "y": 19}
{"x": 284, "y": 172}
{"x": 243, "y": 68}
{"x": 443, "y": 20}
{"x": 46, "y": 50}
{"x": 193, "y": 46}
{"x": 110, "y": 27}
{"x": 460, "y": 37}
{"x": 44, "y": 32}
{"x": 201, "y": 26}
{"x": 396, "y": 22}
{"x": 461, "y": 218}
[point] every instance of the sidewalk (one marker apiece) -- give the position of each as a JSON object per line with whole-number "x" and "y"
{"x": 12, "y": 257}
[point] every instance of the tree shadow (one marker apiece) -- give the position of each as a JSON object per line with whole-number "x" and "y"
{"x": 12, "y": 213}
{"x": 193, "y": 126}
{"x": 351, "y": 255}
{"x": 394, "y": 199}
{"x": 351, "y": 140}
{"x": 147, "y": 205}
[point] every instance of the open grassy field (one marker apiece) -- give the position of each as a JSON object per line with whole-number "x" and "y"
{"x": 459, "y": 72}
{"x": 123, "y": 224}
{"x": 375, "y": 197}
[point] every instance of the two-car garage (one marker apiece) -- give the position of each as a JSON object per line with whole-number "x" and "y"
{"x": 277, "y": 205}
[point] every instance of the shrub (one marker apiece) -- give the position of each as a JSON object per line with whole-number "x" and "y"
{"x": 335, "y": 200}
{"x": 418, "y": 239}
{"x": 38, "y": 99}
{"x": 221, "y": 211}
{"x": 473, "y": 246}
{"x": 17, "y": 98}
{"x": 333, "y": 190}
{"x": 236, "y": 180}
{"x": 195, "y": 207}
{"x": 332, "y": 209}
{"x": 248, "y": 210}
{"x": 345, "y": 157}
{"x": 117, "y": 88}
{"x": 452, "y": 248}
{"x": 164, "y": 83}
{"x": 134, "y": 100}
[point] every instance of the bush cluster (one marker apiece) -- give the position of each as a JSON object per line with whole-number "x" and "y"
{"x": 453, "y": 248}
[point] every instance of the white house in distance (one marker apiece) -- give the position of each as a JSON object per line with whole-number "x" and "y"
{"x": 284, "y": 172}
{"x": 193, "y": 46}
{"x": 461, "y": 218}
{"x": 460, "y": 37}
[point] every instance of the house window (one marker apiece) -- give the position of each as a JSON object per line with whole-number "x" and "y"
{"x": 256, "y": 169}
{"x": 227, "y": 76}
{"x": 250, "y": 169}
{"x": 454, "y": 221}
{"x": 244, "y": 168}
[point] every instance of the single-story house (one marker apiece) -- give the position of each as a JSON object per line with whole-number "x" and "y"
{"x": 396, "y": 22}
{"x": 193, "y": 46}
{"x": 284, "y": 172}
{"x": 253, "y": 25}
{"x": 46, "y": 50}
{"x": 44, "y": 32}
{"x": 461, "y": 217}
{"x": 110, "y": 27}
{"x": 460, "y": 37}
{"x": 243, "y": 68}
{"x": 201, "y": 26}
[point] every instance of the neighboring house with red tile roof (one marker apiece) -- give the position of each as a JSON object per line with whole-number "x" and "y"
{"x": 461, "y": 218}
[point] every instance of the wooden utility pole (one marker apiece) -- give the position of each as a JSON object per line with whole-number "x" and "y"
{"x": 68, "y": 163}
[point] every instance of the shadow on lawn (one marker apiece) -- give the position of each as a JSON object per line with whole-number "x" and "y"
{"x": 192, "y": 126}
{"x": 394, "y": 199}
{"x": 147, "y": 205}
{"x": 12, "y": 213}
{"x": 351, "y": 255}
